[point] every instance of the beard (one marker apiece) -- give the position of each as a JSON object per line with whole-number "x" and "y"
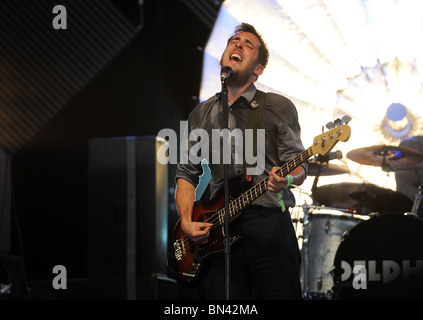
{"x": 240, "y": 77}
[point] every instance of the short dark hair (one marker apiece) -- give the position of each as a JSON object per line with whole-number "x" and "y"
{"x": 263, "y": 55}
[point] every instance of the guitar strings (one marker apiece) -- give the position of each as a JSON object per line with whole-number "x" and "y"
{"x": 217, "y": 217}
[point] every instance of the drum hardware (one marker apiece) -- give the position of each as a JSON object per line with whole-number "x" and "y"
{"x": 324, "y": 232}
{"x": 327, "y": 231}
{"x": 348, "y": 211}
{"x": 320, "y": 166}
{"x": 416, "y": 204}
{"x": 305, "y": 253}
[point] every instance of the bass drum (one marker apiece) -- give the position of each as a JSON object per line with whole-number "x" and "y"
{"x": 381, "y": 258}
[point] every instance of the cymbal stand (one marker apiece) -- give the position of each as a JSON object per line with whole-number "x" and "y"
{"x": 305, "y": 251}
{"x": 385, "y": 165}
{"x": 416, "y": 204}
{"x": 316, "y": 180}
{"x": 306, "y": 239}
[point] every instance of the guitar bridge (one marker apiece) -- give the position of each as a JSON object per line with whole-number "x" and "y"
{"x": 197, "y": 262}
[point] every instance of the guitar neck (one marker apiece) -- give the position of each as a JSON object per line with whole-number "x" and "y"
{"x": 245, "y": 199}
{"x": 322, "y": 144}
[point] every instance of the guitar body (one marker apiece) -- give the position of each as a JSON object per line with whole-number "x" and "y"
{"x": 187, "y": 259}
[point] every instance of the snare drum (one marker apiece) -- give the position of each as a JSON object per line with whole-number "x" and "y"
{"x": 326, "y": 227}
{"x": 381, "y": 258}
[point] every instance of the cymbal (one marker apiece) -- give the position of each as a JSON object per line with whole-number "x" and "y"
{"x": 326, "y": 169}
{"x": 386, "y": 156}
{"x": 362, "y": 197}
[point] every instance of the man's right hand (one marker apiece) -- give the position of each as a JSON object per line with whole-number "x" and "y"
{"x": 198, "y": 231}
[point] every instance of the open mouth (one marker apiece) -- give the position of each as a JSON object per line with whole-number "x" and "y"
{"x": 235, "y": 57}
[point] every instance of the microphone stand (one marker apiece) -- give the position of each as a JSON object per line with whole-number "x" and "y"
{"x": 225, "y": 107}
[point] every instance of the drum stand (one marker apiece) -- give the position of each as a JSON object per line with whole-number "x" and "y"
{"x": 306, "y": 242}
{"x": 416, "y": 204}
{"x": 305, "y": 253}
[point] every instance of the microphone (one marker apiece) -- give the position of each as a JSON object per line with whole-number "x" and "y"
{"x": 225, "y": 73}
{"x": 330, "y": 156}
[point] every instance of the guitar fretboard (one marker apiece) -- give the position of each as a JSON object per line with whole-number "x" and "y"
{"x": 246, "y": 198}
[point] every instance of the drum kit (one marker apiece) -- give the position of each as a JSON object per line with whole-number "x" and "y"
{"x": 359, "y": 240}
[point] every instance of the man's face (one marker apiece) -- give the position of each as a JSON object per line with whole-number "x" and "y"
{"x": 241, "y": 55}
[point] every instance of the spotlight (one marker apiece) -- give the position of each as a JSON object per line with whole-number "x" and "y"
{"x": 397, "y": 123}
{"x": 397, "y": 117}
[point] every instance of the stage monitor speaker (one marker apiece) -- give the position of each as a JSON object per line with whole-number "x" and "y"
{"x": 5, "y": 202}
{"x": 127, "y": 223}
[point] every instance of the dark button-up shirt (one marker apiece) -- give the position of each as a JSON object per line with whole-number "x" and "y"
{"x": 282, "y": 141}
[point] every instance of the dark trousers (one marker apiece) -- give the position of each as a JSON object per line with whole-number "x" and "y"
{"x": 264, "y": 263}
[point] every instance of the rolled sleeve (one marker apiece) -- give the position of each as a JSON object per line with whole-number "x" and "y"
{"x": 187, "y": 170}
{"x": 189, "y": 173}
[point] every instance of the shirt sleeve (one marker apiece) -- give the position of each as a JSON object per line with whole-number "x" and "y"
{"x": 186, "y": 169}
{"x": 289, "y": 135}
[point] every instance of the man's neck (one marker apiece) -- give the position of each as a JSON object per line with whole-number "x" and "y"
{"x": 234, "y": 92}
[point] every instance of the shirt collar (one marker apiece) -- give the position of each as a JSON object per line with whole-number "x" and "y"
{"x": 248, "y": 94}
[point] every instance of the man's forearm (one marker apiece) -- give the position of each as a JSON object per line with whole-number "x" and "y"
{"x": 185, "y": 197}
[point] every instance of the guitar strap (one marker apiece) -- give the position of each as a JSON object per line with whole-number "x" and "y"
{"x": 254, "y": 121}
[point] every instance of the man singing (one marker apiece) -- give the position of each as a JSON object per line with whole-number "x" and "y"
{"x": 265, "y": 262}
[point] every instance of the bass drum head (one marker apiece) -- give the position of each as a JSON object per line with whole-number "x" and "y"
{"x": 381, "y": 258}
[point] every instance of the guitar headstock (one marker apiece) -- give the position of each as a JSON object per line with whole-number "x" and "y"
{"x": 339, "y": 131}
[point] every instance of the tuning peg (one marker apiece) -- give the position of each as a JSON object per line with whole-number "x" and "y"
{"x": 330, "y": 125}
{"x": 345, "y": 119}
{"x": 338, "y": 122}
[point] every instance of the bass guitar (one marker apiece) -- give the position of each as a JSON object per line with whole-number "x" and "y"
{"x": 186, "y": 259}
